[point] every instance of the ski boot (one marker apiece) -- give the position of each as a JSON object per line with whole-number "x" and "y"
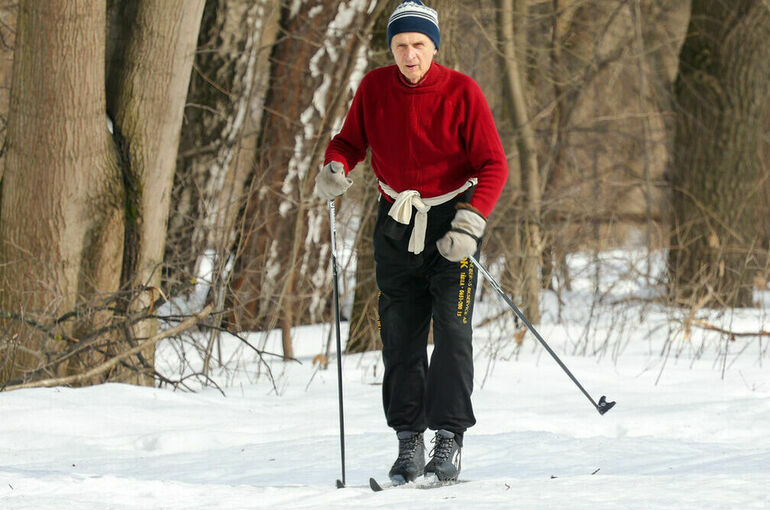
{"x": 411, "y": 458}
{"x": 446, "y": 454}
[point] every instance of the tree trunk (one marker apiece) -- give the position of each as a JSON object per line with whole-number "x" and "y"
{"x": 98, "y": 221}
{"x": 448, "y": 11}
{"x": 8, "y": 15}
{"x": 530, "y": 173}
{"x": 555, "y": 233}
{"x": 281, "y": 273}
{"x": 364, "y": 330}
{"x": 219, "y": 136}
{"x": 721, "y": 93}
{"x": 61, "y": 223}
{"x": 147, "y": 87}
{"x": 364, "y": 326}
{"x": 218, "y": 146}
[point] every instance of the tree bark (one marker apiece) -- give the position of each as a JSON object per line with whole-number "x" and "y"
{"x": 8, "y": 16}
{"x": 721, "y": 94}
{"x": 98, "y": 219}
{"x": 147, "y": 87}
{"x": 281, "y": 273}
{"x": 218, "y": 146}
{"x": 554, "y": 249}
{"x": 448, "y": 11}
{"x": 219, "y": 137}
{"x": 364, "y": 333}
{"x": 530, "y": 173}
{"x": 60, "y": 217}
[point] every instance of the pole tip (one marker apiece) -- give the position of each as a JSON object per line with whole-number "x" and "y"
{"x": 603, "y": 406}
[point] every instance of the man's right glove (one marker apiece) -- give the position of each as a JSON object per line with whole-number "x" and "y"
{"x": 462, "y": 240}
{"x": 331, "y": 181}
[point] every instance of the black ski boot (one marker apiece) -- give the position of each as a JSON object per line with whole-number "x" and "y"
{"x": 411, "y": 458}
{"x": 446, "y": 454}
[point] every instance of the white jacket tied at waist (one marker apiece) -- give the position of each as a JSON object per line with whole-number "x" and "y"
{"x": 401, "y": 210}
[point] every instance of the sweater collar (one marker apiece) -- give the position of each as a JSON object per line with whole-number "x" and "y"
{"x": 432, "y": 77}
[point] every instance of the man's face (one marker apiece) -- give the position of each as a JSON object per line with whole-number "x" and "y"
{"x": 413, "y": 52}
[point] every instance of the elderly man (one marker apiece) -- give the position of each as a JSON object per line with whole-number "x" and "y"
{"x": 441, "y": 166}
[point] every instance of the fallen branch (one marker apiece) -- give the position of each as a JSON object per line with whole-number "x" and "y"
{"x": 706, "y": 325}
{"x": 99, "y": 369}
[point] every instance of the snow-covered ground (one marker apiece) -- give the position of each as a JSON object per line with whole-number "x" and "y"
{"x": 691, "y": 428}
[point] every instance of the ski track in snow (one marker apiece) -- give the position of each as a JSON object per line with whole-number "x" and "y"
{"x": 682, "y": 436}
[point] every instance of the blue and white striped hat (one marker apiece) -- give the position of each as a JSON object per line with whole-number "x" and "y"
{"x": 413, "y": 16}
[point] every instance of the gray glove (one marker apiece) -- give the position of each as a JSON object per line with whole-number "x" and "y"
{"x": 462, "y": 240}
{"x": 331, "y": 181}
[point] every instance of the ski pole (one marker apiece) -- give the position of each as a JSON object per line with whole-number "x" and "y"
{"x": 333, "y": 229}
{"x": 603, "y": 406}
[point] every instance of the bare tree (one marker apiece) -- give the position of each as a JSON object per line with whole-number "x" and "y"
{"x": 364, "y": 333}
{"x": 84, "y": 211}
{"x": 282, "y": 253}
{"x": 721, "y": 96}
{"x": 54, "y": 247}
{"x": 448, "y": 14}
{"x": 8, "y": 10}
{"x": 218, "y": 146}
{"x": 219, "y": 136}
{"x": 526, "y": 144}
{"x": 155, "y": 59}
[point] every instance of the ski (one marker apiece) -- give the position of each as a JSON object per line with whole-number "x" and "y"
{"x": 429, "y": 483}
{"x": 375, "y": 485}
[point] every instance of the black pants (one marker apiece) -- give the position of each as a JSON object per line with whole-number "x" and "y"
{"x": 413, "y": 290}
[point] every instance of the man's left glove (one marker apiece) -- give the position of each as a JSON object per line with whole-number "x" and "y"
{"x": 463, "y": 238}
{"x": 331, "y": 181}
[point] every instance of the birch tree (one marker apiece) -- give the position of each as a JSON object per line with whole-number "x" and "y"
{"x": 282, "y": 272}
{"x": 218, "y": 146}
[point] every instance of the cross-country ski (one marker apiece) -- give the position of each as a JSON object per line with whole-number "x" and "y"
{"x": 427, "y": 483}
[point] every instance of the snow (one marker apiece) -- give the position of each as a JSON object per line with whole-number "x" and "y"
{"x": 690, "y": 428}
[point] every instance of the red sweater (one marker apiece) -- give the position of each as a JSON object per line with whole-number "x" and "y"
{"x": 431, "y": 137}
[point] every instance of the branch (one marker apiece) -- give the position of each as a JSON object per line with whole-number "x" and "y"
{"x": 34, "y": 324}
{"x": 706, "y": 325}
{"x": 99, "y": 369}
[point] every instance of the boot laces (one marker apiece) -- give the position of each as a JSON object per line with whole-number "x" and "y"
{"x": 407, "y": 447}
{"x": 442, "y": 449}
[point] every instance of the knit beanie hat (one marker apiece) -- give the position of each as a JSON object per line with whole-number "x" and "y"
{"x": 413, "y": 16}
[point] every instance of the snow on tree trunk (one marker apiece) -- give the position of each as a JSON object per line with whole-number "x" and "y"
{"x": 282, "y": 274}
{"x": 219, "y": 137}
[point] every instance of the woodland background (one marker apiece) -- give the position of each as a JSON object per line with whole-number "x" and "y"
{"x": 151, "y": 147}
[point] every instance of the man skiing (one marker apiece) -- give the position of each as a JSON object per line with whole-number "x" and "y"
{"x": 441, "y": 166}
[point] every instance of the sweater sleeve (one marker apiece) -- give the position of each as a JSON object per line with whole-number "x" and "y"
{"x": 350, "y": 144}
{"x": 485, "y": 151}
